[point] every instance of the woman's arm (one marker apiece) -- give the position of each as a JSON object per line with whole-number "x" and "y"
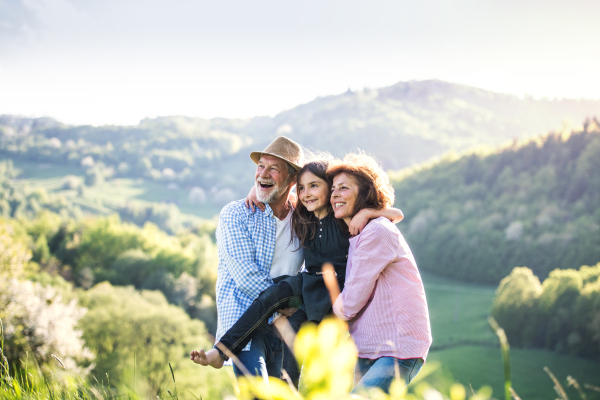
{"x": 359, "y": 221}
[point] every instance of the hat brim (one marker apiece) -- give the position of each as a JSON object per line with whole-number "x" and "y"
{"x": 255, "y": 156}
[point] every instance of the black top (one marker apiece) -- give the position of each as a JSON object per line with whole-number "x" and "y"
{"x": 328, "y": 245}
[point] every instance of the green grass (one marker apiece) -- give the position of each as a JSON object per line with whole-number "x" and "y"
{"x": 478, "y": 366}
{"x": 468, "y": 349}
{"x": 105, "y": 197}
{"x": 458, "y": 312}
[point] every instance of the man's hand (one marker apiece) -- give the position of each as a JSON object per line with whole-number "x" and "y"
{"x": 287, "y": 311}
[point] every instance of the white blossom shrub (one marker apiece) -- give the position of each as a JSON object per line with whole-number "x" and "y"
{"x": 38, "y": 324}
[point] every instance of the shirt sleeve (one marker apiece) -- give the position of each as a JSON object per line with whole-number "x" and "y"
{"x": 376, "y": 249}
{"x": 239, "y": 253}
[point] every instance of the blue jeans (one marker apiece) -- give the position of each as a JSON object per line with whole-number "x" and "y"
{"x": 382, "y": 371}
{"x": 265, "y": 356}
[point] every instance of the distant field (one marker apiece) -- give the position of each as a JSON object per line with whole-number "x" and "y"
{"x": 466, "y": 347}
{"x": 106, "y": 196}
{"x": 459, "y": 312}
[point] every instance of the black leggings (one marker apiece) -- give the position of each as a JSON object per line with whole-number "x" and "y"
{"x": 270, "y": 300}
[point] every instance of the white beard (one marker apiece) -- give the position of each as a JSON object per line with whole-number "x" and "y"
{"x": 270, "y": 197}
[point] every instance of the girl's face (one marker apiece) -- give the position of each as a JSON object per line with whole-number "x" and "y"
{"x": 313, "y": 193}
{"x": 344, "y": 193}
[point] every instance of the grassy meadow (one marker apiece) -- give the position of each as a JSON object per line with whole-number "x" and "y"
{"x": 466, "y": 349}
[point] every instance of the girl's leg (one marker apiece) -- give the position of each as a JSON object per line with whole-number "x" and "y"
{"x": 381, "y": 372}
{"x": 238, "y": 336}
{"x": 269, "y": 301}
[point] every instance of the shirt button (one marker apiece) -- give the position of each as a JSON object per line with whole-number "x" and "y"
{"x": 321, "y": 229}
{"x": 319, "y": 235}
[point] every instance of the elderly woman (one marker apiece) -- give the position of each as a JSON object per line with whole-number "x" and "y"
{"x": 383, "y": 299}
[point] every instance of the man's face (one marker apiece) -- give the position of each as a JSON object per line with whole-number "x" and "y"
{"x": 271, "y": 179}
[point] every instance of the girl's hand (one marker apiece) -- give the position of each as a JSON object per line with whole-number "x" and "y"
{"x": 359, "y": 221}
{"x": 252, "y": 201}
{"x": 288, "y": 311}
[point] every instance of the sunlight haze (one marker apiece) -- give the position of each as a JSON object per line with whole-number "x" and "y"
{"x": 117, "y": 62}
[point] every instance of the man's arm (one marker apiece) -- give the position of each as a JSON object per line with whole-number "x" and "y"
{"x": 239, "y": 253}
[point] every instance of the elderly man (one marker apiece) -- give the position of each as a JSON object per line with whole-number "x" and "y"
{"x": 254, "y": 249}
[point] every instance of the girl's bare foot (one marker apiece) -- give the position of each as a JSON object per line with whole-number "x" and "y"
{"x": 211, "y": 357}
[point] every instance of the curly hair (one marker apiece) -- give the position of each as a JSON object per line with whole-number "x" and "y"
{"x": 374, "y": 188}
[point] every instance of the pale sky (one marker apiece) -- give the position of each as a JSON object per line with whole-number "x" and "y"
{"x": 118, "y": 61}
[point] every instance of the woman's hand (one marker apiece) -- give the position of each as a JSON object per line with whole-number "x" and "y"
{"x": 252, "y": 201}
{"x": 359, "y": 221}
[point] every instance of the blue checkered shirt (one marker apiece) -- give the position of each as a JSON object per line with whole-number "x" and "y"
{"x": 246, "y": 242}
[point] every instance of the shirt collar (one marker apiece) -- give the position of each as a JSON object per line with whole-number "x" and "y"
{"x": 269, "y": 210}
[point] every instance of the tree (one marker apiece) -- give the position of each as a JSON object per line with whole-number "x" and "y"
{"x": 37, "y": 322}
{"x": 123, "y": 323}
{"x": 515, "y": 305}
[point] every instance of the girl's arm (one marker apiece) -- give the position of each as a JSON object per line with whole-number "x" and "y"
{"x": 359, "y": 221}
{"x": 252, "y": 201}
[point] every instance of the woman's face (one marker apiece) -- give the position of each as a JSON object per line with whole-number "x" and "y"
{"x": 313, "y": 193}
{"x": 344, "y": 193}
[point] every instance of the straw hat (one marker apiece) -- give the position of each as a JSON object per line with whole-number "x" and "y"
{"x": 283, "y": 148}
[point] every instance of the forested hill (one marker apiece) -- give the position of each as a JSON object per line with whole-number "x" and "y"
{"x": 535, "y": 205}
{"x": 402, "y": 125}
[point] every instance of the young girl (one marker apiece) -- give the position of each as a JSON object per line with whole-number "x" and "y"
{"x": 323, "y": 239}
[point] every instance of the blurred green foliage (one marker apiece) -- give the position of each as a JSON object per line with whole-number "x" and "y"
{"x": 122, "y": 323}
{"x": 560, "y": 314}
{"x": 537, "y": 203}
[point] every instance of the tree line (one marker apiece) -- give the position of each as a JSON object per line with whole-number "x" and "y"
{"x": 477, "y": 216}
{"x": 561, "y": 314}
{"x": 195, "y": 153}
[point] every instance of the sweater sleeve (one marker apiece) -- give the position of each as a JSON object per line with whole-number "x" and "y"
{"x": 376, "y": 249}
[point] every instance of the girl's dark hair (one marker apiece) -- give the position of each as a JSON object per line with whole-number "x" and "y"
{"x": 304, "y": 222}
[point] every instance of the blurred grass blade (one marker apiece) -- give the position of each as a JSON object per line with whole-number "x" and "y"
{"x": 172, "y": 373}
{"x": 591, "y": 387}
{"x": 514, "y": 394}
{"x": 574, "y": 383}
{"x": 505, "y": 348}
{"x": 557, "y": 386}
{"x": 59, "y": 361}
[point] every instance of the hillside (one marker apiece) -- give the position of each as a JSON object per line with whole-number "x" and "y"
{"x": 536, "y": 204}
{"x": 403, "y": 125}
